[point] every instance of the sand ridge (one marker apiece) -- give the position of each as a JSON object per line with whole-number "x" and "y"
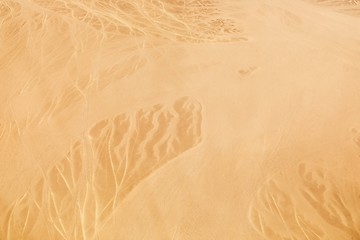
{"x": 76, "y": 197}
{"x": 322, "y": 207}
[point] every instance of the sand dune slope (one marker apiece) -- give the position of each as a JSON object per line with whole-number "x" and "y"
{"x": 180, "y": 119}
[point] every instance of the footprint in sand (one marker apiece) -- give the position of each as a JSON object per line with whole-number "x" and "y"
{"x": 246, "y": 72}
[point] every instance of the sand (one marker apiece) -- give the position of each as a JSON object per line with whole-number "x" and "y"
{"x": 179, "y": 119}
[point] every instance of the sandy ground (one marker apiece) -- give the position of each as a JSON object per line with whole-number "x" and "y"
{"x": 180, "y": 119}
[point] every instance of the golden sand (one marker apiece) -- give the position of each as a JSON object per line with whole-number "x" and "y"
{"x": 179, "y": 119}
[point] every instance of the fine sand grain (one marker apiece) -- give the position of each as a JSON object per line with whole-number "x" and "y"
{"x": 179, "y": 119}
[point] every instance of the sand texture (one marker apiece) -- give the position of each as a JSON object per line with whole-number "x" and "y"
{"x": 179, "y": 120}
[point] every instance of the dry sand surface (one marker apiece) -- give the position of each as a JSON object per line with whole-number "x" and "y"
{"x": 180, "y": 119}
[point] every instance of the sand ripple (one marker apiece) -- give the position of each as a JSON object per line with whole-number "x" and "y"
{"x": 80, "y": 193}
